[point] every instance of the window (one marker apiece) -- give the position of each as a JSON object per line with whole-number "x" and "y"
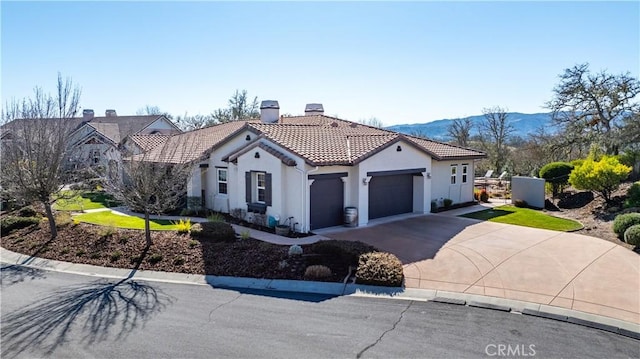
{"x": 454, "y": 170}
{"x": 465, "y": 169}
{"x": 222, "y": 180}
{"x": 261, "y": 186}
{"x": 95, "y": 156}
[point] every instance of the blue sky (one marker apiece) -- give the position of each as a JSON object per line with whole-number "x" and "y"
{"x": 400, "y": 62}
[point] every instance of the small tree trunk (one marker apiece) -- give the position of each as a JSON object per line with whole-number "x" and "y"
{"x": 51, "y": 219}
{"x": 147, "y": 228}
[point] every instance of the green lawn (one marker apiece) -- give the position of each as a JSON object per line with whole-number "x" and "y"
{"x": 107, "y": 218}
{"x": 525, "y": 217}
{"x": 88, "y": 200}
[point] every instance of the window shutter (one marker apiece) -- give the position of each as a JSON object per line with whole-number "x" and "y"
{"x": 247, "y": 179}
{"x": 267, "y": 189}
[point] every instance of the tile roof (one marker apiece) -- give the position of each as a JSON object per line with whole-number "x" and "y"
{"x": 126, "y": 125}
{"x": 277, "y": 154}
{"x": 147, "y": 142}
{"x": 108, "y": 130}
{"x": 320, "y": 140}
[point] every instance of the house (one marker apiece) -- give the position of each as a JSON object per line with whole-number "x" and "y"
{"x": 98, "y": 140}
{"x": 309, "y": 168}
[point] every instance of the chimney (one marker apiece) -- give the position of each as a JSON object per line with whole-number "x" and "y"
{"x": 269, "y": 111}
{"x": 313, "y": 109}
{"x": 110, "y": 113}
{"x": 87, "y": 114}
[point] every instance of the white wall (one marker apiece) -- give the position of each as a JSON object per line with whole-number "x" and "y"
{"x": 441, "y": 181}
{"x": 390, "y": 159}
{"x": 528, "y": 189}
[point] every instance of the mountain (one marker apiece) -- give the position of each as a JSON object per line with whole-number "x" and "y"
{"x": 523, "y": 124}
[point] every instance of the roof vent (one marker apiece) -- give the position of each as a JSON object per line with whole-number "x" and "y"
{"x": 87, "y": 114}
{"x": 269, "y": 111}
{"x": 313, "y": 109}
{"x": 110, "y": 113}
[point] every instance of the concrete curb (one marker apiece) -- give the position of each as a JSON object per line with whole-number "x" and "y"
{"x": 330, "y": 288}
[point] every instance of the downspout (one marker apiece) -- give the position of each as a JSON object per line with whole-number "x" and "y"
{"x": 303, "y": 189}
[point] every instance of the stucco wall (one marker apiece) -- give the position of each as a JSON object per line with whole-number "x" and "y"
{"x": 441, "y": 181}
{"x": 528, "y": 189}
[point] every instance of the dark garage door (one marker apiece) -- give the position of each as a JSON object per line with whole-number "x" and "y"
{"x": 327, "y": 201}
{"x": 390, "y": 195}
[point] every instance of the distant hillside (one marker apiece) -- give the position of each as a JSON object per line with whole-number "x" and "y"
{"x": 523, "y": 123}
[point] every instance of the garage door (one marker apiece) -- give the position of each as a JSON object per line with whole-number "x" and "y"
{"x": 327, "y": 201}
{"x": 390, "y": 195}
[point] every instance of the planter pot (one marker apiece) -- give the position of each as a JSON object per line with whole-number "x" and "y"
{"x": 282, "y": 230}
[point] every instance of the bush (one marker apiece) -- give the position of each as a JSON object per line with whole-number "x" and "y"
{"x": 63, "y": 219}
{"x": 624, "y": 221}
{"x": 447, "y": 202}
{"x": 9, "y": 224}
{"x": 632, "y": 235}
{"x": 379, "y": 268}
{"x": 178, "y": 261}
{"x": 484, "y": 196}
{"x": 27, "y": 211}
{"x": 215, "y": 217}
{"x": 520, "y": 203}
{"x": 115, "y": 256}
{"x": 193, "y": 244}
{"x": 557, "y": 174}
{"x": 216, "y": 231}
{"x": 317, "y": 272}
{"x": 295, "y": 250}
{"x": 633, "y": 196}
{"x": 107, "y": 231}
{"x": 183, "y": 226}
{"x": 344, "y": 251}
{"x": 603, "y": 176}
{"x": 155, "y": 258}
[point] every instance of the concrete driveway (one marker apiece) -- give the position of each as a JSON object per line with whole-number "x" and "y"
{"x": 445, "y": 252}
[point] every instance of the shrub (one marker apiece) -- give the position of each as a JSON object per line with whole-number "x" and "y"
{"x": 295, "y": 250}
{"x": 216, "y": 231}
{"x": 107, "y": 231}
{"x": 633, "y": 196}
{"x": 155, "y": 258}
{"x": 632, "y": 235}
{"x": 603, "y": 176}
{"x": 63, "y": 219}
{"x": 557, "y": 174}
{"x": 520, "y": 203}
{"x": 193, "y": 244}
{"x": 476, "y": 195}
{"x": 379, "y": 268}
{"x": 344, "y": 251}
{"x": 245, "y": 234}
{"x": 178, "y": 261}
{"x": 27, "y": 211}
{"x": 317, "y": 272}
{"x": 183, "y": 226}
{"x": 484, "y": 196}
{"x": 80, "y": 252}
{"x": 624, "y": 221}
{"x": 447, "y": 202}
{"x": 9, "y": 224}
{"x": 215, "y": 217}
{"x": 115, "y": 256}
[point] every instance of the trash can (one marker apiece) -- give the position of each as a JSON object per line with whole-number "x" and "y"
{"x": 274, "y": 221}
{"x": 350, "y": 216}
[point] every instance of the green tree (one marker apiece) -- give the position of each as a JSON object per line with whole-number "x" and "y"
{"x": 240, "y": 108}
{"x": 596, "y": 107}
{"x": 556, "y": 173}
{"x": 602, "y": 176}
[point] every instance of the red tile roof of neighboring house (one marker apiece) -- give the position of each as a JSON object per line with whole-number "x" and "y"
{"x": 148, "y": 142}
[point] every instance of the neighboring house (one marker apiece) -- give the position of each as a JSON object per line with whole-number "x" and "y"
{"x": 311, "y": 167}
{"x": 99, "y": 140}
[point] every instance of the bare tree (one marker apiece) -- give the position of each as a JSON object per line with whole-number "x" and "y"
{"x": 35, "y": 146}
{"x": 373, "y": 122}
{"x": 595, "y": 107}
{"x": 494, "y": 133}
{"x": 240, "y": 108}
{"x": 152, "y": 110}
{"x": 154, "y": 182}
{"x": 460, "y": 131}
{"x": 188, "y": 123}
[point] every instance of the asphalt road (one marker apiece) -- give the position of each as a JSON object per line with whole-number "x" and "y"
{"x": 59, "y": 315}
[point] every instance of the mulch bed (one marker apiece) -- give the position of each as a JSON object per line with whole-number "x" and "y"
{"x": 170, "y": 252}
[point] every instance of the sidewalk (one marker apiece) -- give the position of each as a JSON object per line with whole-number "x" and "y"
{"x": 255, "y": 234}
